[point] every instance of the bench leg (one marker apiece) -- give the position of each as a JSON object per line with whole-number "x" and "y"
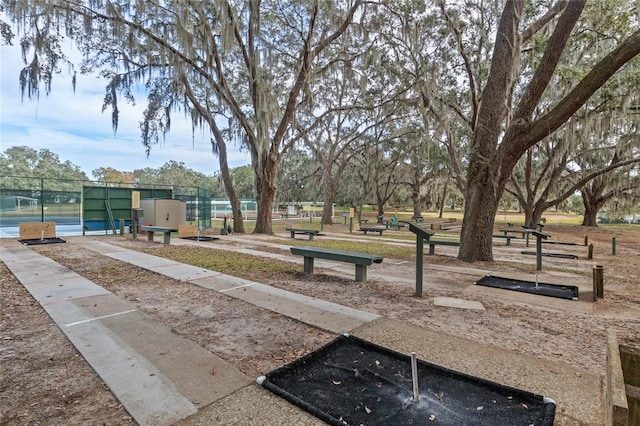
{"x": 361, "y": 273}
{"x": 310, "y": 237}
{"x": 432, "y": 249}
{"x": 293, "y": 234}
{"x": 308, "y": 265}
{"x": 150, "y": 236}
{"x": 167, "y": 237}
{"x": 508, "y": 241}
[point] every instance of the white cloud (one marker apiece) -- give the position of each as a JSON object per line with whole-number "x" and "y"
{"x": 73, "y": 127}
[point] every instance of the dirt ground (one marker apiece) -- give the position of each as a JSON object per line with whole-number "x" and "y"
{"x": 45, "y": 381}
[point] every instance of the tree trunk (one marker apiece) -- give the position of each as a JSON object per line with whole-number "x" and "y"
{"x": 529, "y": 214}
{"x": 236, "y": 207}
{"x": 415, "y": 197}
{"x": 590, "y": 217}
{"x": 536, "y": 217}
{"x": 486, "y": 176}
{"x": 329, "y": 195}
{"x": 380, "y": 206}
{"x": 480, "y": 208}
{"x": 266, "y": 173}
{"x": 591, "y": 206}
{"x": 443, "y": 200}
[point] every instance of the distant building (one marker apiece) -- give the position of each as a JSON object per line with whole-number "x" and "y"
{"x": 18, "y": 203}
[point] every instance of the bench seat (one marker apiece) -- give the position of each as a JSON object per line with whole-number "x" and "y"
{"x": 361, "y": 260}
{"x": 310, "y": 232}
{"x": 562, "y": 243}
{"x": 522, "y": 233}
{"x": 507, "y": 237}
{"x": 434, "y": 243}
{"x": 378, "y": 229}
{"x": 150, "y": 230}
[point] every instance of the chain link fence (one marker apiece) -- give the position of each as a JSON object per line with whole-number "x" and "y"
{"x": 31, "y": 199}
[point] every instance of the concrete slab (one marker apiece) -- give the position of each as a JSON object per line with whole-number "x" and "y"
{"x": 120, "y": 253}
{"x": 576, "y": 392}
{"x": 140, "y": 259}
{"x": 158, "y": 376}
{"x": 221, "y": 282}
{"x": 12, "y": 253}
{"x": 452, "y": 302}
{"x": 252, "y": 406}
{"x": 29, "y": 262}
{"x": 102, "y": 246}
{"x": 41, "y": 271}
{"x": 319, "y": 313}
{"x": 143, "y": 390}
{"x": 196, "y": 374}
{"x": 183, "y": 272}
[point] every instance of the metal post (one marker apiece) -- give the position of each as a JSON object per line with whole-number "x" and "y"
{"x": 598, "y": 281}
{"x": 590, "y": 254}
{"x": 414, "y": 375}
{"x": 586, "y": 240}
{"x": 538, "y": 253}
{"x": 419, "y": 260}
{"x": 42, "y": 199}
{"x": 613, "y": 246}
{"x": 350, "y": 225}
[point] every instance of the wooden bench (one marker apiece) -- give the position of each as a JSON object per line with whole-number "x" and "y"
{"x": 310, "y": 232}
{"x": 434, "y": 243}
{"x": 187, "y": 231}
{"x": 507, "y": 237}
{"x": 378, "y": 229}
{"x": 37, "y": 230}
{"x": 361, "y": 260}
{"x": 150, "y": 230}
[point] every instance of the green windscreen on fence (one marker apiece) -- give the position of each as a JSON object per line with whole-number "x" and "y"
{"x": 79, "y": 206}
{"x": 104, "y": 207}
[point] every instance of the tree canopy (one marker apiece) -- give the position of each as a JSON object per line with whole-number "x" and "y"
{"x": 483, "y": 89}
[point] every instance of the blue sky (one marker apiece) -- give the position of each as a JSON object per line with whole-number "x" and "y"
{"x": 72, "y": 126}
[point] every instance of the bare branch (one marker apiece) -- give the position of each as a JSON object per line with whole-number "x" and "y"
{"x": 599, "y": 75}
{"x": 543, "y": 20}
{"x": 549, "y": 61}
{"x": 467, "y": 66}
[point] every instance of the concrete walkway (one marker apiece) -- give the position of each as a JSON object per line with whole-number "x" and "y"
{"x": 309, "y": 310}
{"x": 387, "y": 271}
{"x": 577, "y": 393}
{"x": 158, "y": 376}
{"x": 162, "y": 378}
